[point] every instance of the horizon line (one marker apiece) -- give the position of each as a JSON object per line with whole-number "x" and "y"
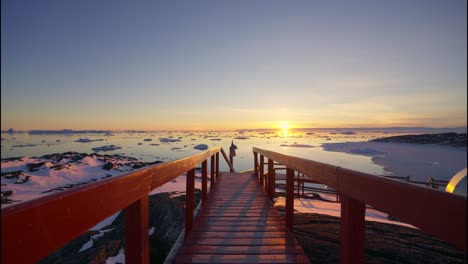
{"x": 242, "y": 129}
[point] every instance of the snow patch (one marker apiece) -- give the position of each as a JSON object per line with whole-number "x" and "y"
{"x": 119, "y": 258}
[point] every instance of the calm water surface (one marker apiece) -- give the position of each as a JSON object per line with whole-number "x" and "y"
{"x": 135, "y": 145}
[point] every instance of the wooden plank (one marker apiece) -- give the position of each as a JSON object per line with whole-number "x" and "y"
{"x": 225, "y": 234}
{"x": 244, "y": 250}
{"x": 240, "y": 210}
{"x": 253, "y": 215}
{"x": 257, "y": 205}
{"x": 234, "y": 224}
{"x": 136, "y": 231}
{"x": 241, "y": 241}
{"x": 244, "y": 228}
{"x": 258, "y": 217}
{"x": 224, "y": 258}
{"x": 242, "y": 222}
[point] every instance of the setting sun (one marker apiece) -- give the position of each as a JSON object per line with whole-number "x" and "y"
{"x": 284, "y": 126}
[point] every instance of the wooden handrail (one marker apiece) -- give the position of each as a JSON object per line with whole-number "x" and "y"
{"x": 445, "y": 217}
{"x": 227, "y": 160}
{"x": 41, "y": 226}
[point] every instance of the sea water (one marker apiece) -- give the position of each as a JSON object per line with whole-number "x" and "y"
{"x": 152, "y": 146}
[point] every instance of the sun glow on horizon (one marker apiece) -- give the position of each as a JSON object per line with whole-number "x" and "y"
{"x": 284, "y": 126}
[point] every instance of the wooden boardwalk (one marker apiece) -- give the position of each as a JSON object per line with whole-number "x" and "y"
{"x": 238, "y": 224}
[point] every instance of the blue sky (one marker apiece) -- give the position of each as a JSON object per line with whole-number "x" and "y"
{"x": 232, "y": 64}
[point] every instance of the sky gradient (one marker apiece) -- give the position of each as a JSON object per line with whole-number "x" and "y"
{"x": 157, "y": 65}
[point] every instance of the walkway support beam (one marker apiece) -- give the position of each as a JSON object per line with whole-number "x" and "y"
{"x": 189, "y": 201}
{"x": 352, "y": 231}
{"x": 204, "y": 181}
{"x": 136, "y": 231}
{"x": 289, "y": 198}
{"x": 271, "y": 179}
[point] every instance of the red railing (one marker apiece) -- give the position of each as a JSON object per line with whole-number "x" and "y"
{"x": 33, "y": 229}
{"x": 435, "y": 212}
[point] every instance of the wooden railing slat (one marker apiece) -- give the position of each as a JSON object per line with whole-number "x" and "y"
{"x": 321, "y": 172}
{"x": 58, "y": 218}
{"x": 271, "y": 179}
{"x": 189, "y": 201}
{"x": 204, "y": 181}
{"x": 217, "y": 166}
{"x": 255, "y": 165}
{"x": 166, "y": 172}
{"x": 441, "y": 214}
{"x": 261, "y": 169}
{"x": 228, "y": 161}
{"x": 136, "y": 231}
{"x": 212, "y": 171}
{"x": 289, "y": 198}
{"x": 352, "y": 231}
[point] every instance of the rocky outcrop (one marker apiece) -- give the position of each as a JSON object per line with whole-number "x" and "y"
{"x": 450, "y": 139}
{"x": 319, "y": 235}
{"x": 166, "y": 215}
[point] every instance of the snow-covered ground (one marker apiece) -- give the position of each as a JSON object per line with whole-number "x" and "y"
{"x": 303, "y": 205}
{"x": 30, "y": 178}
{"x": 405, "y": 159}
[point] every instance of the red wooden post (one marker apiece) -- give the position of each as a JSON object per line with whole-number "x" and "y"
{"x": 189, "y": 201}
{"x": 262, "y": 162}
{"x": 255, "y": 165}
{"x": 204, "y": 180}
{"x": 289, "y": 198}
{"x": 298, "y": 188}
{"x": 212, "y": 171}
{"x": 217, "y": 166}
{"x": 136, "y": 231}
{"x": 271, "y": 179}
{"x": 352, "y": 230}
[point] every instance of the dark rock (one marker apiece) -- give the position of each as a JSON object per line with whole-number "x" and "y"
{"x": 57, "y": 167}
{"x": 25, "y": 179}
{"x": 138, "y": 165}
{"x": 450, "y": 139}
{"x": 108, "y": 166}
{"x": 12, "y": 174}
{"x": 12, "y": 159}
{"x": 6, "y": 193}
{"x": 319, "y": 235}
{"x": 34, "y": 166}
{"x": 166, "y": 215}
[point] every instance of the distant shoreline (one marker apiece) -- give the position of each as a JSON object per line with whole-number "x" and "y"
{"x": 448, "y": 139}
{"x": 310, "y": 129}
